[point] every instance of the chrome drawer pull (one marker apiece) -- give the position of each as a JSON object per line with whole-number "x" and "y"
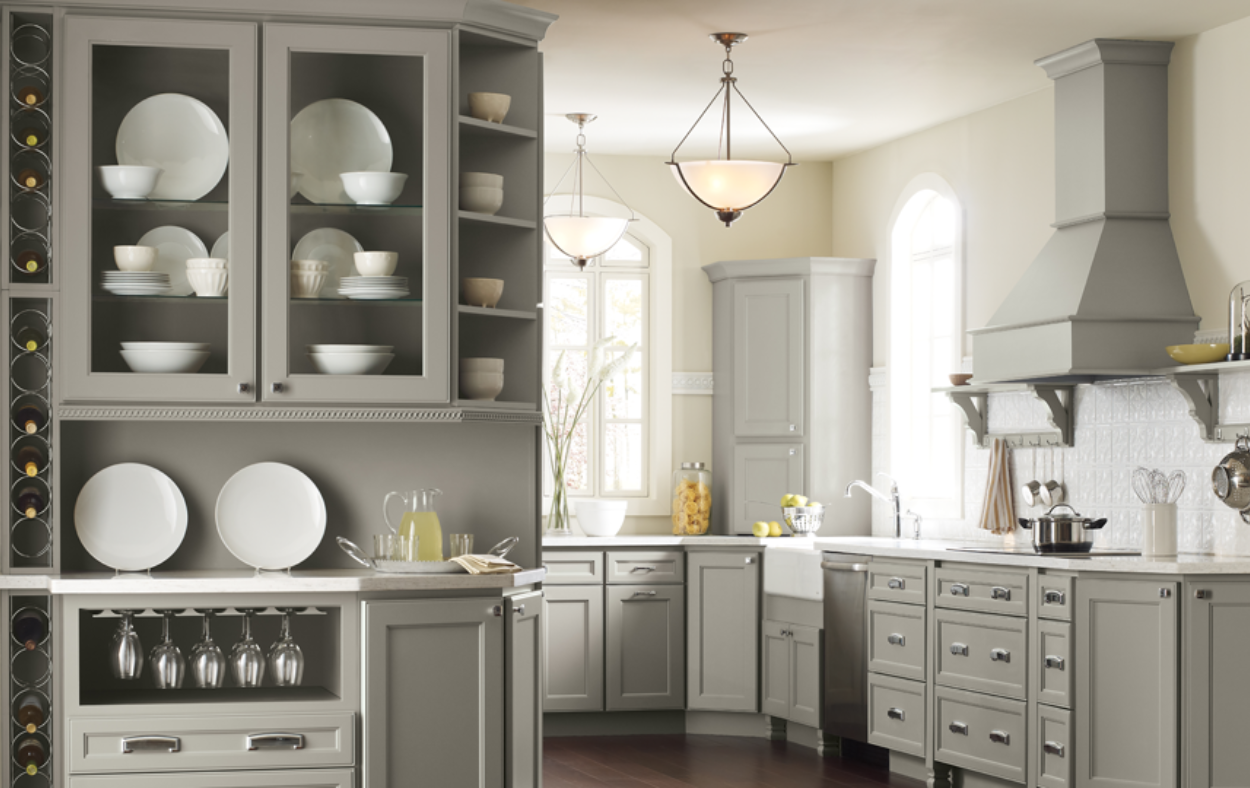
{"x": 133, "y": 744}
{"x": 643, "y": 568}
{"x": 1053, "y": 748}
{"x": 959, "y": 727}
{"x": 1053, "y": 662}
{"x": 897, "y": 640}
{"x": 999, "y": 737}
{"x": 959, "y": 649}
{"x": 959, "y": 589}
{"x": 1000, "y": 655}
{"x": 998, "y": 592}
{"x": 642, "y": 593}
{"x": 896, "y": 714}
{"x": 897, "y": 583}
{"x": 1053, "y": 598}
{"x": 275, "y": 741}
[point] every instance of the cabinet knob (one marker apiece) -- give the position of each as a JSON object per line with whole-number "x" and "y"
{"x": 1053, "y": 597}
{"x": 998, "y": 592}
{"x": 275, "y": 741}
{"x": 1053, "y": 748}
{"x": 896, "y": 714}
{"x": 245, "y": 388}
{"x": 959, "y": 649}
{"x": 793, "y": 452}
{"x": 959, "y": 589}
{"x": 896, "y": 640}
{"x": 750, "y": 559}
{"x": 519, "y": 610}
{"x": 793, "y": 428}
{"x": 1202, "y": 593}
{"x": 1000, "y": 737}
{"x": 1054, "y": 663}
{"x": 959, "y": 727}
{"x": 1000, "y": 655}
{"x": 276, "y": 388}
{"x": 897, "y": 583}
{"x": 497, "y": 611}
{"x": 1165, "y": 593}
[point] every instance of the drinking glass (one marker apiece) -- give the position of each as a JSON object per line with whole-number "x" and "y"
{"x": 286, "y": 659}
{"x": 208, "y": 664}
{"x": 126, "y": 652}
{"x": 391, "y": 547}
{"x": 168, "y": 667}
{"x": 461, "y": 544}
{"x": 247, "y": 661}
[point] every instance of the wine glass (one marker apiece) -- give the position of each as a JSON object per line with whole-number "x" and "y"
{"x": 168, "y": 667}
{"x": 286, "y": 659}
{"x": 247, "y": 661}
{"x": 125, "y": 651}
{"x": 208, "y": 664}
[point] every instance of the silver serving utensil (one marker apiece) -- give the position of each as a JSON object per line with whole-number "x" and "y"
{"x": 1159, "y": 485}
{"x": 1176, "y": 486}
{"x": 360, "y": 556}
{"x": 503, "y": 548}
{"x": 1141, "y": 485}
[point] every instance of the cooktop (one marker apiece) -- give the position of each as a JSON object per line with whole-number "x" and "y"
{"x": 1028, "y": 550}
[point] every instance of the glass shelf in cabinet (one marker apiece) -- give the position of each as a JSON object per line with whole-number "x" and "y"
{"x": 119, "y": 204}
{"x": 356, "y": 301}
{"x": 475, "y": 127}
{"x": 507, "y": 221}
{"x": 353, "y": 208}
{"x": 109, "y": 298}
{"x": 515, "y": 314}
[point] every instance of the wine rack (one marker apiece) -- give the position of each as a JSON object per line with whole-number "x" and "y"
{"x": 30, "y": 687}
{"x": 30, "y": 149}
{"x": 30, "y": 434}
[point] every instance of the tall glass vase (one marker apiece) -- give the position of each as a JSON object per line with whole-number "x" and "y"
{"x": 558, "y": 523}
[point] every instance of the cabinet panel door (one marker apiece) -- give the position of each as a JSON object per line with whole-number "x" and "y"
{"x": 775, "y": 669}
{"x": 769, "y": 356}
{"x": 296, "y": 778}
{"x": 1217, "y": 638}
{"x": 1127, "y": 684}
{"x": 524, "y": 633}
{"x": 805, "y": 665}
{"x": 646, "y": 647}
{"x": 763, "y": 472}
{"x": 723, "y": 635}
{"x": 433, "y": 692}
{"x": 574, "y": 648}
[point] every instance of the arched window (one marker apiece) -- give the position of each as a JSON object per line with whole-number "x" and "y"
{"x": 926, "y": 346}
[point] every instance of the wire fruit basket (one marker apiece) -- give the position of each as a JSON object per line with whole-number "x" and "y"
{"x": 803, "y": 520}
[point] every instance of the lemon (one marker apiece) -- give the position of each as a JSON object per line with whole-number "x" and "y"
{"x": 760, "y": 528}
{"x": 774, "y": 528}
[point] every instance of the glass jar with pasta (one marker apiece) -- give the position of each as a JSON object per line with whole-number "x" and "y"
{"x": 692, "y": 499}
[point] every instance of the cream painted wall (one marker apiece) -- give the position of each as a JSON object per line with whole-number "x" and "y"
{"x": 793, "y": 222}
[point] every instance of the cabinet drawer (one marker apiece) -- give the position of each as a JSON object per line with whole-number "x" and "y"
{"x": 991, "y": 592}
{"x": 981, "y": 733}
{"x": 1053, "y": 652}
{"x": 896, "y": 714}
{"x": 898, "y": 582}
{"x": 982, "y": 652}
{"x": 649, "y": 567}
{"x": 173, "y": 744}
{"x": 304, "y": 778}
{"x": 573, "y": 567}
{"x": 1054, "y": 597}
{"x": 896, "y": 639}
{"x": 1052, "y": 743}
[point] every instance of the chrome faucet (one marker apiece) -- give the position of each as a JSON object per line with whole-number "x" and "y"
{"x": 892, "y": 499}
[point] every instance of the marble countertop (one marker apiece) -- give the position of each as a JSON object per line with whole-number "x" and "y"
{"x": 246, "y": 582}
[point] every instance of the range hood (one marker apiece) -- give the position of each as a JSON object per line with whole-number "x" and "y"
{"x": 1106, "y": 294}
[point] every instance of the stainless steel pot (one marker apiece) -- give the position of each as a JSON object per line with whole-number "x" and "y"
{"x": 1062, "y": 533}
{"x": 1231, "y": 478}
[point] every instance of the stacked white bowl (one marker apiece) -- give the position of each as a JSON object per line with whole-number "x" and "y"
{"x": 209, "y": 276}
{"x": 350, "y": 359}
{"x": 308, "y": 277}
{"x": 481, "y": 378}
{"x": 165, "y": 357}
{"x": 373, "y": 188}
{"x": 375, "y": 281}
{"x": 481, "y": 192}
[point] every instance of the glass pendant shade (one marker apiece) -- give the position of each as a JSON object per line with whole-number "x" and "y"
{"x": 729, "y": 185}
{"x": 584, "y": 237}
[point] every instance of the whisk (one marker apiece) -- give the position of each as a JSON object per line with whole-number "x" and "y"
{"x": 1154, "y": 486}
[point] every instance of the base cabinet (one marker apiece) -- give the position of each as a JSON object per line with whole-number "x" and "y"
{"x": 573, "y": 627}
{"x": 790, "y": 672}
{"x": 523, "y": 633}
{"x": 722, "y": 656}
{"x": 338, "y": 778}
{"x": 646, "y": 647}
{"x": 1217, "y": 695}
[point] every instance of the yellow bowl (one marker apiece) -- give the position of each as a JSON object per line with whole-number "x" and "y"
{"x": 1198, "y": 354}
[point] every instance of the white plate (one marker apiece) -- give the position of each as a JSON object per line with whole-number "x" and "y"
{"x": 271, "y": 516}
{"x": 376, "y": 296}
{"x": 183, "y": 137}
{"x": 335, "y": 136}
{"x": 174, "y": 246}
{"x": 221, "y": 247}
{"x": 130, "y": 517}
{"x": 127, "y": 291}
{"x": 334, "y": 247}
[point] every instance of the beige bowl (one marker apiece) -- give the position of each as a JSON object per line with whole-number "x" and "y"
{"x": 481, "y": 292}
{"x": 134, "y": 258}
{"x": 491, "y": 180}
{"x": 376, "y": 263}
{"x": 307, "y": 284}
{"x": 209, "y": 282}
{"x": 481, "y": 385}
{"x": 489, "y": 106}
{"x": 471, "y": 365}
{"x": 481, "y": 199}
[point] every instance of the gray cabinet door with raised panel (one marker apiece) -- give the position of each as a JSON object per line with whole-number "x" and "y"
{"x": 1217, "y": 695}
{"x": 1127, "y": 684}
{"x": 646, "y": 647}
{"x": 775, "y": 669}
{"x": 805, "y": 664}
{"x": 573, "y": 679}
{"x": 524, "y": 664}
{"x": 722, "y": 600}
{"x": 769, "y": 368}
{"x": 433, "y": 692}
{"x": 763, "y": 472}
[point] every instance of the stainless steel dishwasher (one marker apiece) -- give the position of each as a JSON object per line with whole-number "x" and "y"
{"x": 846, "y": 651}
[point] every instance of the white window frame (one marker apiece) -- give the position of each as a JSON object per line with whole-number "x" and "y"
{"x": 658, "y": 410}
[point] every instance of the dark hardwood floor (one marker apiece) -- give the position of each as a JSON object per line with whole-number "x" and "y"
{"x": 686, "y": 761}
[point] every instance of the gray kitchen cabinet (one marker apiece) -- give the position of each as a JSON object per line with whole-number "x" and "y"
{"x": 645, "y": 665}
{"x": 722, "y": 598}
{"x": 573, "y": 627}
{"x": 768, "y": 358}
{"x": 790, "y": 672}
{"x": 433, "y": 692}
{"x": 763, "y": 472}
{"x": 304, "y": 778}
{"x": 523, "y": 633}
{"x": 1127, "y": 686}
{"x": 1217, "y": 695}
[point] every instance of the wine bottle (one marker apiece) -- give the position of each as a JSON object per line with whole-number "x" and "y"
{"x": 31, "y": 137}
{"x": 29, "y": 338}
{"x": 30, "y": 261}
{"x": 29, "y": 417}
{"x": 30, "y": 460}
{"x": 30, "y": 95}
{"x": 30, "y": 501}
{"x": 31, "y": 754}
{"x": 30, "y": 627}
{"x": 31, "y": 711}
{"x": 30, "y": 179}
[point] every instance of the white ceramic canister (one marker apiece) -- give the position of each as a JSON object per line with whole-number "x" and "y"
{"x": 1158, "y": 528}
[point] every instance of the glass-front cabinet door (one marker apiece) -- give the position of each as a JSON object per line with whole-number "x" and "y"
{"x": 158, "y": 223}
{"x": 355, "y": 254}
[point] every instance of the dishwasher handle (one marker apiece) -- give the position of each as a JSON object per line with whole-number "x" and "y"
{"x": 843, "y": 567}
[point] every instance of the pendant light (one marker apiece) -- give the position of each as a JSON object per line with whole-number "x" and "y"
{"x": 577, "y": 235}
{"x": 726, "y": 185}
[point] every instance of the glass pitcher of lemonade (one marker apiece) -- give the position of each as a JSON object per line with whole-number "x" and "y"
{"x": 419, "y": 523}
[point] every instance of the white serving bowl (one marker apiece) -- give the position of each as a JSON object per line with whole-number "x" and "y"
{"x": 129, "y": 181}
{"x": 599, "y": 517}
{"x": 134, "y": 258}
{"x": 351, "y": 363}
{"x": 208, "y": 282}
{"x": 489, "y": 106}
{"x": 310, "y": 265}
{"x": 478, "y": 291}
{"x": 481, "y": 385}
{"x": 373, "y": 188}
{"x": 165, "y": 361}
{"x": 469, "y": 180}
{"x": 212, "y": 263}
{"x": 307, "y": 284}
{"x": 376, "y": 263}
{"x": 148, "y": 346}
{"x": 296, "y": 179}
{"x": 481, "y": 199}
{"x": 481, "y": 365}
{"x": 357, "y": 349}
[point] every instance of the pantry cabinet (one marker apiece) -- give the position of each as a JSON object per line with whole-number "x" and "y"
{"x": 769, "y": 363}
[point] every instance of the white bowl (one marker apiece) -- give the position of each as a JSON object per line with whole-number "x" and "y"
{"x": 600, "y": 517}
{"x": 208, "y": 282}
{"x": 296, "y": 179}
{"x": 376, "y": 263}
{"x": 149, "y": 346}
{"x": 351, "y": 363}
{"x": 165, "y": 361}
{"x": 468, "y": 180}
{"x": 307, "y": 284}
{"x": 357, "y": 349}
{"x": 310, "y": 265}
{"x": 481, "y": 365}
{"x": 210, "y": 263}
{"x": 481, "y": 199}
{"x": 373, "y": 188}
{"x": 489, "y": 106}
{"x": 129, "y": 181}
{"x": 134, "y": 258}
{"x": 479, "y": 291}
{"x": 481, "y": 385}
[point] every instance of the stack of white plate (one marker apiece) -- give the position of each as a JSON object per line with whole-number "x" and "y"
{"x": 165, "y": 357}
{"x": 132, "y": 283}
{"x": 351, "y": 359}
{"x": 374, "y": 288}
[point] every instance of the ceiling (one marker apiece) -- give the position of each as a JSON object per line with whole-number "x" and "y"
{"x": 829, "y": 76}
